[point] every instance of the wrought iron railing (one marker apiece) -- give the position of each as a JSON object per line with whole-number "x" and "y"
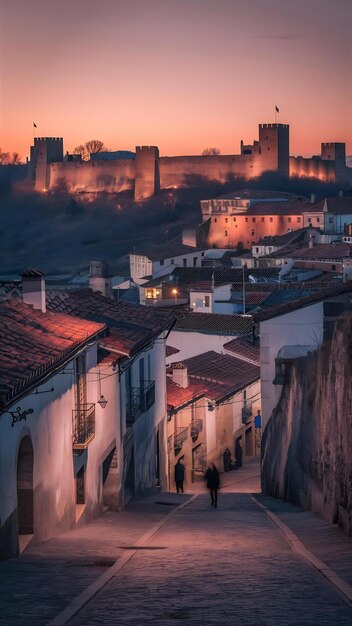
{"x": 83, "y": 425}
{"x": 196, "y": 428}
{"x": 169, "y": 443}
{"x": 139, "y": 400}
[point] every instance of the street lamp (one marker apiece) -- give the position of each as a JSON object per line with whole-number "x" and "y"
{"x": 175, "y": 292}
{"x": 102, "y": 400}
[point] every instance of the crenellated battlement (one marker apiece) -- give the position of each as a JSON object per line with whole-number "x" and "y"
{"x": 36, "y": 139}
{"x": 273, "y": 125}
{"x": 145, "y": 148}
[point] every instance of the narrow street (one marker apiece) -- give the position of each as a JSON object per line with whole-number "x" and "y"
{"x": 229, "y": 565}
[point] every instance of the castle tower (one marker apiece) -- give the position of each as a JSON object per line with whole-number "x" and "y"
{"x": 335, "y": 151}
{"x": 46, "y": 150}
{"x": 147, "y": 181}
{"x": 274, "y": 142}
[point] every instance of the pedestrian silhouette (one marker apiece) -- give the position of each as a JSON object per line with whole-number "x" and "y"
{"x": 226, "y": 457}
{"x": 179, "y": 476}
{"x": 213, "y": 482}
{"x": 238, "y": 454}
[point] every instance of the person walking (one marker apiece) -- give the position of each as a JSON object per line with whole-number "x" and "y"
{"x": 179, "y": 476}
{"x": 213, "y": 482}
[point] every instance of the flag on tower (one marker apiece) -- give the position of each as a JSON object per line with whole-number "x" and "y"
{"x": 34, "y": 125}
{"x": 277, "y": 109}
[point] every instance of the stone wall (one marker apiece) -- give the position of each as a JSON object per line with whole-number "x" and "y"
{"x": 307, "y": 445}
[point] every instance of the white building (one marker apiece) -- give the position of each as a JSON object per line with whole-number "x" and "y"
{"x": 49, "y": 417}
{"x": 161, "y": 260}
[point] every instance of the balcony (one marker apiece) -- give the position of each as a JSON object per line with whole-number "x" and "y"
{"x": 196, "y": 428}
{"x": 246, "y": 413}
{"x": 83, "y": 426}
{"x": 181, "y": 435}
{"x": 139, "y": 400}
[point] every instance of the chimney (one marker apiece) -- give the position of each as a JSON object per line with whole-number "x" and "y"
{"x": 312, "y": 198}
{"x": 33, "y": 289}
{"x": 180, "y": 374}
{"x": 99, "y": 278}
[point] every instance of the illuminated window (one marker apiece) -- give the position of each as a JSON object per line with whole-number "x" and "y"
{"x": 152, "y": 293}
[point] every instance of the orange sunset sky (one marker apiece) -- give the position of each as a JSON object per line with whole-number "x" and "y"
{"x": 180, "y": 74}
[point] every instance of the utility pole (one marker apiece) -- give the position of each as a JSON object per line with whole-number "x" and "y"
{"x": 244, "y": 291}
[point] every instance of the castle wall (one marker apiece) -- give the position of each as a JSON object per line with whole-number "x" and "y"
{"x": 189, "y": 170}
{"x": 94, "y": 176}
{"x": 228, "y": 231}
{"x": 313, "y": 168}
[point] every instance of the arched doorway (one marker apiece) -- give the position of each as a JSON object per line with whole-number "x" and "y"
{"x": 25, "y": 487}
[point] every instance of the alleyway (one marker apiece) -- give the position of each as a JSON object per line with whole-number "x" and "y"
{"x": 230, "y": 565}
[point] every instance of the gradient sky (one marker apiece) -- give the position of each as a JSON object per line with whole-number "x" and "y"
{"x": 180, "y": 74}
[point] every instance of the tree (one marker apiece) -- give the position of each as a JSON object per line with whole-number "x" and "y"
{"x": 9, "y": 158}
{"x": 211, "y": 151}
{"x": 90, "y": 147}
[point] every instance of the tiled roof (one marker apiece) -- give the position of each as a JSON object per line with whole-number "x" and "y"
{"x": 295, "y": 207}
{"x": 244, "y": 348}
{"x": 283, "y": 240}
{"x": 32, "y": 273}
{"x": 186, "y": 276}
{"x": 170, "y": 350}
{"x": 167, "y": 250}
{"x": 32, "y": 343}
{"x": 215, "y": 324}
{"x": 337, "y": 204}
{"x": 214, "y": 376}
{"x": 323, "y": 251}
{"x": 131, "y": 325}
{"x": 302, "y": 301}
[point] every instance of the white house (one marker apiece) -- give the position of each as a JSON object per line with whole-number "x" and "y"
{"x": 49, "y": 417}
{"x": 162, "y": 259}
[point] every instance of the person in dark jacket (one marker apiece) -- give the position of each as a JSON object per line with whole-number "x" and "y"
{"x": 213, "y": 482}
{"x": 238, "y": 454}
{"x": 179, "y": 476}
{"x": 226, "y": 457}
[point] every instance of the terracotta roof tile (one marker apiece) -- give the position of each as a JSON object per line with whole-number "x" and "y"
{"x": 32, "y": 342}
{"x": 215, "y": 324}
{"x": 131, "y": 325}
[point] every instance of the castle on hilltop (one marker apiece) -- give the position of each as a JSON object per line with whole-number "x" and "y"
{"x": 146, "y": 172}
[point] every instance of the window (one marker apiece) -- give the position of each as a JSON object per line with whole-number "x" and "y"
{"x": 270, "y": 219}
{"x": 194, "y": 261}
{"x": 80, "y": 487}
{"x": 262, "y": 219}
{"x": 253, "y": 219}
{"x": 253, "y": 233}
{"x": 162, "y": 262}
{"x": 257, "y": 250}
{"x": 330, "y": 220}
{"x": 289, "y": 220}
{"x": 184, "y": 262}
{"x": 333, "y": 267}
{"x": 298, "y": 220}
{"x": 207, "y": 301}
{"x": 226, "y": 219}
{"x": 318, "y": 220}
{"x": 172, "y": 262}
{"x": 152, "y": 293}
{"x": 215, "y": 219}
{"x": 309, "y": 220}
{"x": 226, "y": 233}
{"x": 246, "y": 219}
{"x": 234, "y": 219}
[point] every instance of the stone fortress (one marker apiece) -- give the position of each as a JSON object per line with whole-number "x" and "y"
{"x": 146, "y": 172}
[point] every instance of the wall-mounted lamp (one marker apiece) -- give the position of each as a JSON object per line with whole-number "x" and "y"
{"x": 102, "y": 400}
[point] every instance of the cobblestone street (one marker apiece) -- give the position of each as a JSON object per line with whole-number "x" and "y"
{"x": 227, "y": 565}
